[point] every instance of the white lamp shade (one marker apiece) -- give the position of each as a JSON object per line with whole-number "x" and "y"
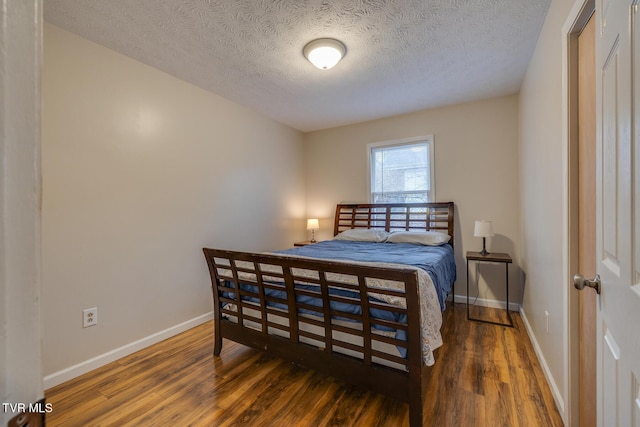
{"x": 483, "y": 228}
{"x": 313, "y": 224}
{"x": 324, "y": 53}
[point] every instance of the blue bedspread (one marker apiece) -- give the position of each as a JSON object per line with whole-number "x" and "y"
{"x": 437, "y": 261}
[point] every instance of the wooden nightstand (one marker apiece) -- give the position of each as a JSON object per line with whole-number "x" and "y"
{"x": 305, "y": 243}
{"x": 491, "y": 257}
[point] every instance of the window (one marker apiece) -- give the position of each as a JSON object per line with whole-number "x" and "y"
{"x": 402, "y": 171}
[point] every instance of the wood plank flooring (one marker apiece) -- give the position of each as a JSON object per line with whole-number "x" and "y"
{"x": 485, "y": 375}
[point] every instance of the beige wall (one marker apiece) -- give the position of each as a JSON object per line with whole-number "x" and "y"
{"x": 543, "y": 187}
{"x": 476, "y": 151}
{"x": 140, "y": 171}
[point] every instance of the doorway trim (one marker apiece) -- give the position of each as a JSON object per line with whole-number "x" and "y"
{"x": 21, "y": 357}
{"x": 576, "y": 21}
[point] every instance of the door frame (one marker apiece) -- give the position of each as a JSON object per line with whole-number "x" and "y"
{"x": 576, "y": 21}
{"x": 20, "y": 217}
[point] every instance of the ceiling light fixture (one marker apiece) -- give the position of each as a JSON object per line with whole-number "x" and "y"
{"x": 324, "y": 53}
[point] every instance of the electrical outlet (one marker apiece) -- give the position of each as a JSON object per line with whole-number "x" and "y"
{"x": 546, "y": 313}
{"x": 89, "y": 317}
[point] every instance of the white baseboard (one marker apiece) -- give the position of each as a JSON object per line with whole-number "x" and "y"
{"x": 557, "y": 396}
{"x": 110, "y": 356}
{"x": 482, "y": 302}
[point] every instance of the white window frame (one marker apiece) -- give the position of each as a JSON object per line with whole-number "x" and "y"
{"x": 428, "y": 139}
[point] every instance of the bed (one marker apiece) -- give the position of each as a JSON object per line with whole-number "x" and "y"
{"x": 371, "y": 321}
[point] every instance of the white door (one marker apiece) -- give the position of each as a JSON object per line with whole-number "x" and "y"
{"x": 618, "y": 212}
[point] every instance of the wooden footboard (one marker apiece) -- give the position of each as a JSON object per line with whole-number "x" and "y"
{"x": 297, "y": 309}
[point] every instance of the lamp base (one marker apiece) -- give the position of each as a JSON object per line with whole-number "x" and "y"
{"x": 484, "y": 247}
{"x": 313, "y": 236}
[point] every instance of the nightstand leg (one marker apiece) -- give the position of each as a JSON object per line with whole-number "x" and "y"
{"x": 506, "y": 268}
{"x": 467, "y": 289}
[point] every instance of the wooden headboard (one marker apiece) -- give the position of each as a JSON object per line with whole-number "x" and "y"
{"x": 437, "y": 216}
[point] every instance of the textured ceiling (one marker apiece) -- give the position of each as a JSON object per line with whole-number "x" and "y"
{"x": 402, "y": 55}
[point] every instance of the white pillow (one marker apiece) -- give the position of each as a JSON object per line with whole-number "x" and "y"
{"x": 363, "y": 235}
{"x": 428, "y": 238}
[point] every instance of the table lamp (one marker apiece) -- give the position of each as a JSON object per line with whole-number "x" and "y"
{"x": 313, "y": 225}
{"x": 483, "y": 229}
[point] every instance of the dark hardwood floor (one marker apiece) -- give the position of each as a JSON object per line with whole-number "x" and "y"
{"x": 485, "y": 375}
